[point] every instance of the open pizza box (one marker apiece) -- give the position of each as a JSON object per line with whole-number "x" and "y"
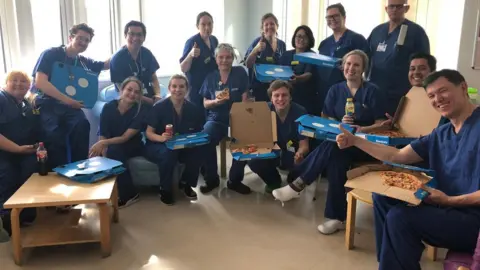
{"x": 415, "y": 117}
{"x": 319, "y": 128}
{"x": 253, "y": 124}
{"x": 368, "y": 178}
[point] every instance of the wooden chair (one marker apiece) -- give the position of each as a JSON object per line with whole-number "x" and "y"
{"x": 366, "y": 197}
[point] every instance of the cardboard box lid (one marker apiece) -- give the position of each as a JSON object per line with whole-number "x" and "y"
{"x": 417, "y": 117}
{"x": 368, "y": 178}
{"x": 252, "y": 123}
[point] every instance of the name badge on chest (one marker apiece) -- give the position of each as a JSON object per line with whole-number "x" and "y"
{"x": 382, "y": 47}
{"x": 207, "y": 60}
{"x": 294, "y": 63}
{"x": 269, "y": 59}
{"x": 290, "y": 147}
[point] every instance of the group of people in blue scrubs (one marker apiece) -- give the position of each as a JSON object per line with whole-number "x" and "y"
{"x": 375, "y": 73}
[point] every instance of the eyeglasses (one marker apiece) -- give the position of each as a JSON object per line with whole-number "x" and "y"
{"x": 399, "y": 6}
{"x": 301, "y": 37}
{"x": 135, "y": 34}
{"x": 82, "y": 38}
{"x": 334, "y": 17}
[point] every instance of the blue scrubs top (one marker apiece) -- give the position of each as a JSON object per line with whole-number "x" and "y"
{"x": 114, "y": 124}
{"x": 268, "y": 56}
{"x": 45, "y": 65}
{"x": 368, "y": 100}
{"x": 288, "y": 129}
{"x": 123, "y": 66}
{"x": 18, "y": 122}
{"x": 304, "y": 93}
{"x": 163, "y": 113}
{"x": 349, "y": 41}
{"x": 454, "y": 157}
{"x": 237, "y": 83}
{"x": 201, "y": 66}
{"x": 389, "y": 63}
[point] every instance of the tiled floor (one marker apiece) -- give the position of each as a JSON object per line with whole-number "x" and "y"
{"x": 222, "y": 231}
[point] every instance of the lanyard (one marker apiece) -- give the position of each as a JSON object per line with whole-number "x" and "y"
{"x": 140, "y": 69}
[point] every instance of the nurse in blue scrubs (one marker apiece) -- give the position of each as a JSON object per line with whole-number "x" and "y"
{"x": 341, "y": 42}
{"x": 234, "y": 79}
{"x": 266, "y": 49}
{"x": 294, "y": 147}
{"x": 121, "y": 124}
{"x": 198, "y": 58}
{"x": 304, "y": 92}
{"x": 389, "y": 54}
{"x": 135, "y": 60}
{"x": 19, "y": 132}
{"x": 66, "y": 130}
{"x": 450, "y": 216}
{"x": 186, "y": 118}
{"x": 369, "y": 115}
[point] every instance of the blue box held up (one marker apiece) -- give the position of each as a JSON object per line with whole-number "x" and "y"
{"x": 91, "y": 170}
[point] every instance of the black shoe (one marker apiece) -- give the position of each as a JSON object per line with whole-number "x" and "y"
{"x": 239, "y": 187}
{"x": 167, "y": 197}
{"x": 126, "y": 203}
{"x": 190, "y": 193}
{"x": 208, "y": 187}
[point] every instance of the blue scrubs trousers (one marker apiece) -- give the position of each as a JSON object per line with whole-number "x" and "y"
{"x": 167, "y": 159}
{"x": 216, "y": 132}
{"x": 66, "y": 134}
{"x": 266, "y": 169}
{"x": 400, "y": 230}
{"x": 336, "y": 162}
{"x": 14, "y": 172}
{"x": 122, "y": 153}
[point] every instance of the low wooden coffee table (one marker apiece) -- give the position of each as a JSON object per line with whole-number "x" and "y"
{"x": 88, "y": 222}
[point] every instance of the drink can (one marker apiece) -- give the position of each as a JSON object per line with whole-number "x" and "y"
{"x": 169, "y": 129}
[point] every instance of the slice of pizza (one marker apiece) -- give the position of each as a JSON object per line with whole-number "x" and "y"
{"x": 401, "y": 180}
{"x": 224, "y": 94}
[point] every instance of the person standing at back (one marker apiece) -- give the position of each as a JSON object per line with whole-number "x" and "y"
{"x": 341, "y": 42}
{"x": 390, "y": 46}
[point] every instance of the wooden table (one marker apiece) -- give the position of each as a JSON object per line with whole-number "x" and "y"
{"x": 88, "y": 222}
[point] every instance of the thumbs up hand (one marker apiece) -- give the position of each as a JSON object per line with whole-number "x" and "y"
{"x": 195, "y": 52}
{"x": 345, "y": 139}
{"x": 261, "y": 45}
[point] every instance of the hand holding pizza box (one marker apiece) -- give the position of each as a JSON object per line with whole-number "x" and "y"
{"x": 397, "y": 181}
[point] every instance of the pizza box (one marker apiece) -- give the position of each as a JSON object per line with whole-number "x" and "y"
{"x": 317, "y": 59}
{"x": 415, "y": 117}
{"x": 368, "y": 178}
{"x": 320, "y": 128}
{"x": 268, "y": 73}
{"x": 91, "y": 170}
{"x": 187, "y": 141}
{"x": 253, "y": 123}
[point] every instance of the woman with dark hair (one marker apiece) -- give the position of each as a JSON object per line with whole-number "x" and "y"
{"x": 198, "y": 58}
{"x": 121, "y": 124}
{"x": 304, "y": 92}
{"x": 266, "y": 49}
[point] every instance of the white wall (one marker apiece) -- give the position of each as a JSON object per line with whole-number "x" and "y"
{"x": 467, "y": 43}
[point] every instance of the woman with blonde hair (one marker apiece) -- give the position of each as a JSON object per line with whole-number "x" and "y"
{"x": 19, "y": 134}
{"x": 121, "y": 124}
{"x": 369, "y": 115}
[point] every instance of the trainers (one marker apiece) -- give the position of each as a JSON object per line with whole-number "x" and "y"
{"x": 285, "y": 193}
{"x": 126, "y": 203}
{"x": 239, "y": 188}
{"x": 208, "y": 187}
{"x": 167, "y": 197}
{"x": 270, "y": 188}
{"x": 190, "y": 193}
{"x": 331, "y": 226}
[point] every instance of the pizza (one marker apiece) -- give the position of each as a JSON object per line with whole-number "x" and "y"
{"x": 389, "y": 133}
{"x": 401, "y": 180}
{"x": 248, "y": 149}
{"x": 224, "y": 94}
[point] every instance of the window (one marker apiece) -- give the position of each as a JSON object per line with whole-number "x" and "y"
{"x": 47, "y": 30}
{"x": 98, "y": 17}
{"x": 3, "y": 63}
{"x": 129, "y": 10}
{"x": 170, "y": 24}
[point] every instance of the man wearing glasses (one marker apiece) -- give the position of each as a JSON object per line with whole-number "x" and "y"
{"x": 63, "y": 122}
{"x": 136, "y": 60}
{"x": 341, "y": 42}
{"x": 390, "y": 46}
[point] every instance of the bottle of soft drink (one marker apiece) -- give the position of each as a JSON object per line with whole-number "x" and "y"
{"x": 350, "y": 107}
{"x": 42, "y": 159}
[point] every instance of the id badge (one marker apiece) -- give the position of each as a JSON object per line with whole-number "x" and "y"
{"x": 294, "y": 63}
{"x": 291, "y": 149}
{"x": 207, "y": 60}
{"x": 382, "y": 47}
{"x": 144, "y": 91}
{"x": 269, "y": 59}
